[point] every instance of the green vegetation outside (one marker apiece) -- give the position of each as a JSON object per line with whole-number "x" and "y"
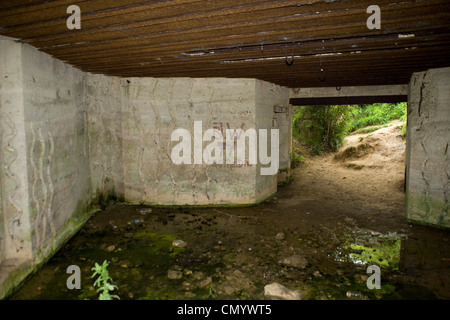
{"x": 323, "y": 128}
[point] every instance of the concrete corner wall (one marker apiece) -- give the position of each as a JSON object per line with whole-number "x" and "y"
{"x": 71, "y": 141}
{"x": 428, "y": 151}
{"x": 130, "y": 122}
{"x": 56, "y": 150}
{"x": 153, "y": 109}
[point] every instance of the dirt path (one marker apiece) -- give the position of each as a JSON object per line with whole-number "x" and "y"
{"x": 363, "y": 181}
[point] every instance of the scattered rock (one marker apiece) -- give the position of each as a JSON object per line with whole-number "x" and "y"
{"x": 350, "y": 221}
{"x": 361, "y": 278}
{"x": 144, "y": 211}
{"x": 228, "y": 289}
{"x": 174, "y": 274}
{"x": 188, "y": 286}
{"x": 277, "y": 291}
{"x": 204, "y": 283}
{"x": 197, "y": 275}
{"x": 295, "y": 261}
{"x": 179, "y": 244}
{"x": 235, "y": 282}
{"x": 111, "y": 248}
{"x": 280, "y": 236}
{"x": 187, "y": 272}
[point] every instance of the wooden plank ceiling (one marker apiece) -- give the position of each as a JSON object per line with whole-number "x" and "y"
{"x": 240, "y": 39}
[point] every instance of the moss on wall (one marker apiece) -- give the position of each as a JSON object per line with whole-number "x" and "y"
{"x": 427, "y": 210}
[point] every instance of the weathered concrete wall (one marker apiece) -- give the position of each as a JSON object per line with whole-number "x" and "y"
{"x": 153, "y": 109}
{"x": 428, "y": 153}
{"x": 13, "y": 170}
{"x": 57, "y": 149}
{"x": 45, "y": 172}
{"x": 103, "y": 98}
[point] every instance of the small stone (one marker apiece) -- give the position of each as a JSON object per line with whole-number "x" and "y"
{"x": 280, "y": 236}
{"x": 174, "y": 274}
{"x": 204, "y": 283}
{"x": 295, "y": 261}
{"x": 363, "y": 278}
{"x": 277, "y": 291}
{"x": 188, "y": 286}
{"x": 197, "y": 275}
{"x": 130, "y": 295}
{"x": 350, "y": 221}
{"x": 144, "y": 211}
{"x": 187, "y": 272}
{"x": 111, "y": 248}
{"x": 179, "y": 244}
{"x": 124, "y": 265}
{"x": 228, "y": 289}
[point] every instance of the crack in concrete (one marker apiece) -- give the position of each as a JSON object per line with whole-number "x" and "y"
{"x": 422, "y": 86}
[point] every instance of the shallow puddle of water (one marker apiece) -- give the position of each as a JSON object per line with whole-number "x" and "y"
{"x": 233, "y": 254}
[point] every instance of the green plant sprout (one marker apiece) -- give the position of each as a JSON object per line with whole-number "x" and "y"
{"x": 103, "y": 281}
{"x": 212, "y": 292}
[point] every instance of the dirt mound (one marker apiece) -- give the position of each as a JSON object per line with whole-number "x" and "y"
{"x": 378, "y": 149}
{"x": 354, "y": 152}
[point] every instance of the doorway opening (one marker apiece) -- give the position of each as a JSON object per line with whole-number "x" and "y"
{"x": 352, "y": 154}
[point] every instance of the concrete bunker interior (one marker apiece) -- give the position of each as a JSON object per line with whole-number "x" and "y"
{"x": 83, "y": 127}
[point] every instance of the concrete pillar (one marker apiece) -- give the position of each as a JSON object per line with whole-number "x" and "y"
{"x": 15, "y": 242}
{"x": 45, "y": 178}
{"x": 428, "y": 152}
{"x": 13, "y": 171}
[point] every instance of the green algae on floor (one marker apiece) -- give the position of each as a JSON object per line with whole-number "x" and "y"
{"x": 366, "y": 247}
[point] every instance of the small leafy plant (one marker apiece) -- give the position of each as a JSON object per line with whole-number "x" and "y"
{"x": 103, "y": 281}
